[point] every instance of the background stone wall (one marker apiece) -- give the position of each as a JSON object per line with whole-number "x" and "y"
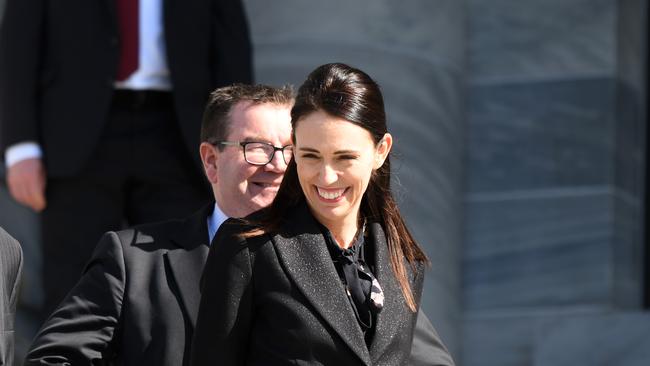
{"x": 552, "y": 262}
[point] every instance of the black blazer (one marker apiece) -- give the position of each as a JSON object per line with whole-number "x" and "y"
{"x": 277, "y": 300}
{"x": 11, "y": 263}
{"x": 136, "y": 303}
{"x": 58, "y": 62}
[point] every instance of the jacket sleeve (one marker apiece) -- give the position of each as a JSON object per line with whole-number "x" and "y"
{"x": 21, "y": 38}
{"x": 427, "y": 348}
{"x": 226, "y": 309}
{"x": 11, "y": 264}
{"x": 81, "y": 331}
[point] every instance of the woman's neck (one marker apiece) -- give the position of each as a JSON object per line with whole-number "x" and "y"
{"x": 344, "y": 232}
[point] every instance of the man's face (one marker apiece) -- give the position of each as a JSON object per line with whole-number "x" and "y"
{"x": 239, "y": 187}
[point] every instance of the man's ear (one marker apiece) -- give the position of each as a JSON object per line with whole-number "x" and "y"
{"x": 383, "y": 148}
{"x": 209, "y": 156}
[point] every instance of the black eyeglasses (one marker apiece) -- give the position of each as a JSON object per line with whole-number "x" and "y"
{"x": 259, "y": 153}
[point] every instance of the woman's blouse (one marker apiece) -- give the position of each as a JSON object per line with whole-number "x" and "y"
{"x": 356, "y": 271}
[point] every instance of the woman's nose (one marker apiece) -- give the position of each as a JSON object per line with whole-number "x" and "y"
{"x": 328, "y": 175}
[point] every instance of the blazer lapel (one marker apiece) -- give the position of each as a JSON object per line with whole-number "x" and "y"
{"x": 387, "y": 323}
{"x": 306, "y": 260}
{"x": 186, "y": 264}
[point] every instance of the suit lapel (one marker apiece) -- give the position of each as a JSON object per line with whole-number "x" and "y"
{"x": 305, "y": 258}
{"x": 186, "y": 264}
{"x": 394, "y": 303}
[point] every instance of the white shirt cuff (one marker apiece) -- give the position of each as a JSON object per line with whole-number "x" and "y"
{"x": 22, "y": 151}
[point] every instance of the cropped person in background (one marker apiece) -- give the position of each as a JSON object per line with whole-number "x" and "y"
{"x": 328, "y": 274}
{"x": 11, "y": 263}
{"x": 99, "y": 113}
{"x": 137, "y": 301}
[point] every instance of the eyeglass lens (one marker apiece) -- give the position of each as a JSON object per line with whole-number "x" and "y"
{"x": 261, "y": 153}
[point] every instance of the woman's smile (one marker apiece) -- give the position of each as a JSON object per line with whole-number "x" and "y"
{"x": 330, "y": 194}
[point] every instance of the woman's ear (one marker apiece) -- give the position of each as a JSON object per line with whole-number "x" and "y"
{"x": 209, "y": 157}
{"x": 383, "y": 148}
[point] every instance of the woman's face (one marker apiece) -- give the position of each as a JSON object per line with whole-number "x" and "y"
{"x": 335, "y": 159}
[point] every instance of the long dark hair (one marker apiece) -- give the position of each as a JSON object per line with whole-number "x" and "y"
{"x": 345, "y": 92}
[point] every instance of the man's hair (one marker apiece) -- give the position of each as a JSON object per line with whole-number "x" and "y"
{"x": 216, "y": 117}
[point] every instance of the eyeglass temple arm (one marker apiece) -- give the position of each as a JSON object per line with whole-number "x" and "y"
{"x": 229, "y": 143}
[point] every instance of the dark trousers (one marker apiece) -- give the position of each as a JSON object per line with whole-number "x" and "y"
{"x": 140, "y": 172}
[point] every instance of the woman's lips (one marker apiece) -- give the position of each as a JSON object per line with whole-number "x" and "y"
{"x": 330, "y": 194}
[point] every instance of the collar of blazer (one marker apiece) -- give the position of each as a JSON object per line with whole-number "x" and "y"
{"x": 303, "y": 253}
{"x": 186, "y": 264}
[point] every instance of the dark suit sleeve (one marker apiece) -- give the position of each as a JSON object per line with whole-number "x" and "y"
{"x": 224, "y": 319}
{"x": 20, "y": 52}
{"x": 11, "y": 264}
{"x": 82, "y": 329}
{"x": 427, "y": 348}
{"x": 232, "y": 51}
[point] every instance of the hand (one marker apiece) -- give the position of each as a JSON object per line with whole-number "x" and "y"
{"x": 26, "y": 182}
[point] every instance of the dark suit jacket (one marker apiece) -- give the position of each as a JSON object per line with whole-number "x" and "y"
{"x": 136, "y": 303}
{"x": 11, "y": 263}
{"x": 427, "y": 348}
{"x": 277, "y": 300}
{"x": 58, "y": 62}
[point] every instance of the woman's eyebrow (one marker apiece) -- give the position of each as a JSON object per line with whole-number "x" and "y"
{"x": 339, "y": 152}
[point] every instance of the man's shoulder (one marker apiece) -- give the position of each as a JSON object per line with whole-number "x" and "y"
{"x": 148, "y": 239}
{"x": 147, "y": 232}
{"x": 7, "y": 240}
{"x": 9, "y": 250}
{"x": 10, "y": 264}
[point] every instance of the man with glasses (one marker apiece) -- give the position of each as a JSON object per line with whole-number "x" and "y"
{"x": 137, "y": 300}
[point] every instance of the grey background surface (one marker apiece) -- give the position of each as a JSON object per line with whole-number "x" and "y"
{"x": 519, "y": 162}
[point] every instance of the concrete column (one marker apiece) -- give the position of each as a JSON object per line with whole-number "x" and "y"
{"x": 554, "y": 202}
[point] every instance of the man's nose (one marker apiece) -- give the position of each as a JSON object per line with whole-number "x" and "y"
{"x": 276, "y": 164}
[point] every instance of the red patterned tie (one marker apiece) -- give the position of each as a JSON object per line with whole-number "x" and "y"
{"x": 127, "y": 16}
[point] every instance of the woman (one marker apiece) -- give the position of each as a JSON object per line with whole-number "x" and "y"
{"x": 328, "y": 274}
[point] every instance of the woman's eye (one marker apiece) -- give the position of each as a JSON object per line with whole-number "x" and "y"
{"x": 347, "y": 157}
{"x": 308, "y": 156}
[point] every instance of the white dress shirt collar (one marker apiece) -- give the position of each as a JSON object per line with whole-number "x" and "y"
{"x": 215, "y": 220}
